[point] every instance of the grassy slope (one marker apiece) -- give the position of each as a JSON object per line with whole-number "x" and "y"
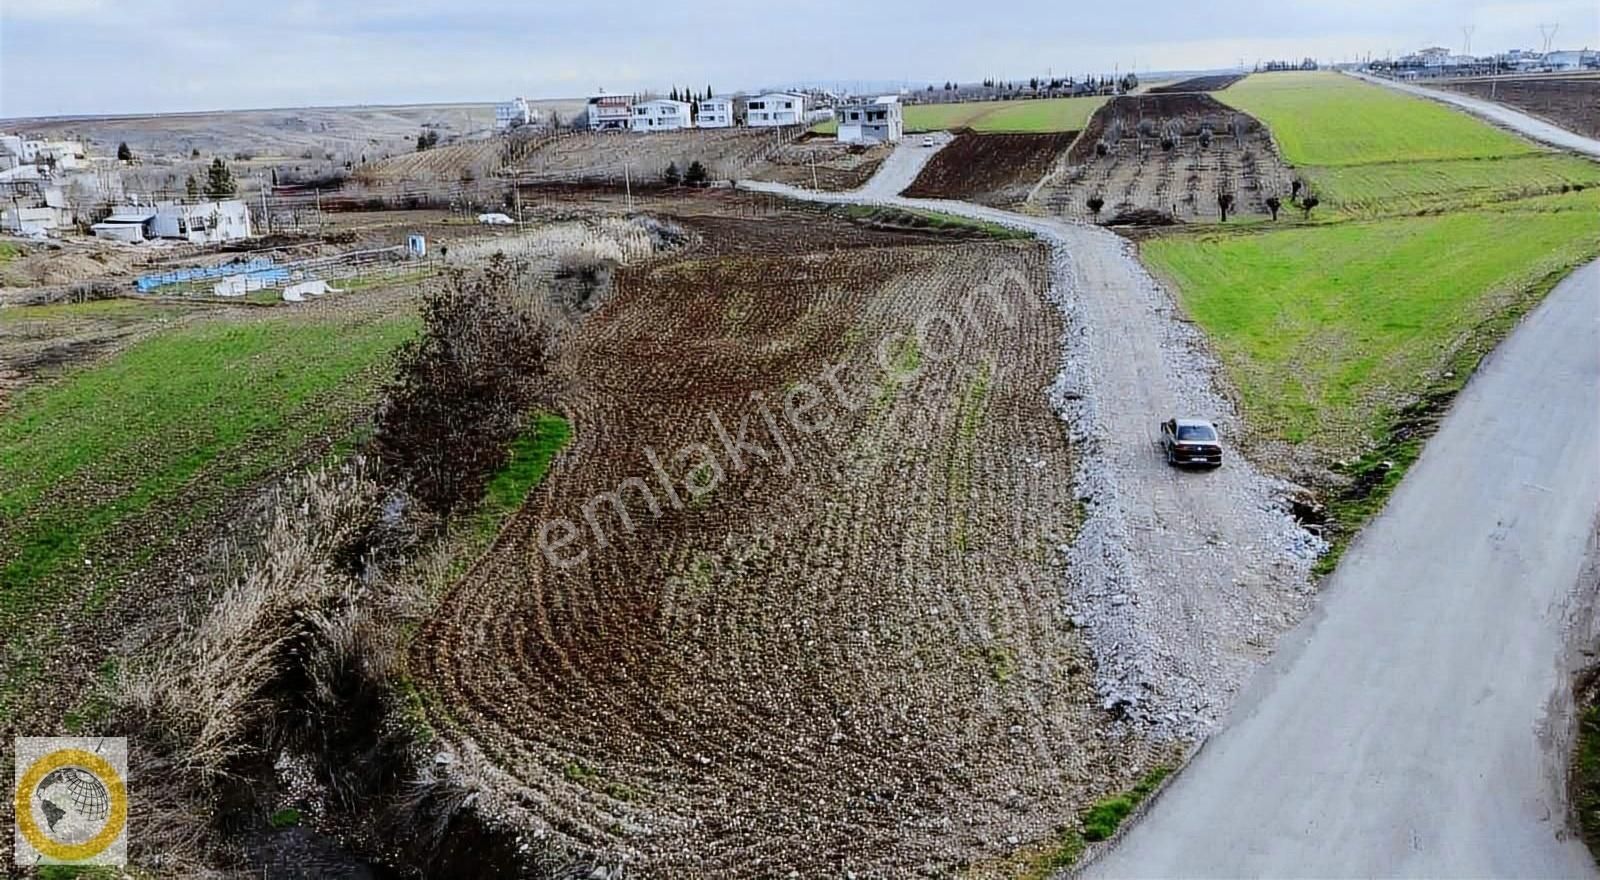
{"x": 1047, "y": 115}
{"x": 1323, "y": 327}
{"x": 1370, "y": 151}
{"x": 215, "y": 401}
{"x": 1349, "y": 336}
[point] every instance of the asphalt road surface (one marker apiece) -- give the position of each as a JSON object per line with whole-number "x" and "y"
{"x": 1500, "y": 114}
{"x": 1412, "y": 726}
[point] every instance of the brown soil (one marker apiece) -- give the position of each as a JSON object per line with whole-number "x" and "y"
{"x": 1138, "y": 173}
{"x": 824, "y": 164}
{"x": 1570, "y": 102}
{"x": 1000, "y": 170}
{"x": 1198, "y": 84}
{"x": 854, "y": 662}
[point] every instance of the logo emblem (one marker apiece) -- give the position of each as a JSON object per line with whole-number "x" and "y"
{"x": 71, "y": 801}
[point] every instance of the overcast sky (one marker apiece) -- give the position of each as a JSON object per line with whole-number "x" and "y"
{"x": 115, "y": 56}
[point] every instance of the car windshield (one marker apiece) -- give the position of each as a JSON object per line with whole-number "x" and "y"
{"x": 1196, "y": 432}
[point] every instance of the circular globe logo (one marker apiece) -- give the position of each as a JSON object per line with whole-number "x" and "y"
{"x": 71, "y": 806}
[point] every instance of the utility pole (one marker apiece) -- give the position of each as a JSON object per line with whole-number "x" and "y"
{"x": 266, "y": 219}
{"x": 627, "y": 182}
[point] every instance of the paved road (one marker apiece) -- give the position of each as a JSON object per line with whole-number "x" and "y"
{"x": 1501, "y": 115}
{"x": 1182, "y": 581}
{"x": 1412, "y": 725}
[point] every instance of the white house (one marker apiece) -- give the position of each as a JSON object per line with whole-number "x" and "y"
{"x": 715, "y": 113}
{"x": 513, "y": 113}
{"x": 610, "y": 112}
{"x": 202, "y": 222}
{"x": 879, "y": 122}
{"x": 662, "y": 115}
{"x": 775, "y": 108}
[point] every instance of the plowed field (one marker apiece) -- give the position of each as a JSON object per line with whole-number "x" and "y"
{"x": 1214, "y": 83}
{"x": 1572, "y": 102}
{"x": 838, "y": 647}
{"x": 992, "y": 169}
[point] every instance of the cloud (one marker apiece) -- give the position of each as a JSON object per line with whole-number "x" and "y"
{"x": 93, "y": 56}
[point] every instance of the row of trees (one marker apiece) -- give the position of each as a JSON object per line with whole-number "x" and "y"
{"x": 1298, "y": 195}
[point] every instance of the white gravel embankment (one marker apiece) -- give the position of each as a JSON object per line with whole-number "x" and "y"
{"x": 1182, "y": 582}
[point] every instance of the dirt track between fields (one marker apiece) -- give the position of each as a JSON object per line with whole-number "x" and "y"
{"x": 1182, "y": 581}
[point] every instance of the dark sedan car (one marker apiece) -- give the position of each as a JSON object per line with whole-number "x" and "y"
{"x": 1191, "y": 441}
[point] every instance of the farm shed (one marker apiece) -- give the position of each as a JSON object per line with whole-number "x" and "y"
{"x": 775, "y": 108}
{"x": 715, "y": 113}
{"x": 610, "y": 112}
{"x": 662, "y": 115}
{"x": 881, "y": 121}
{"x": 125, "y": 224}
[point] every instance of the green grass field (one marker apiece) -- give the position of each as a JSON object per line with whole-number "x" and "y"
{"x": 194, "y": 410}
{"x": 1046, "y": 115}
{"x": 1368, "y": 151}
{"x": 1324, "y": 329}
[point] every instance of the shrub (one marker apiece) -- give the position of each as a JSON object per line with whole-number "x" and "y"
{"x": 1095, "y": 203}
{"x": 1307, "y": 203}
{"x": 696, "y": 175}
{"x": 1224, "y": 204}
{"x": 462, "y": 388}
{"x": 672, "y": 177}
{"x": 1102, "y": 148}
{"x": 1273, "y": 204}
{"x": 123, "y": 153}
{"x": 1167, "y": 144}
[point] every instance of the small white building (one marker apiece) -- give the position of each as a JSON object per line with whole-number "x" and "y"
{"x": 202, "y": 222}
{"x": 775, "y": 108}
{"x": 514, "y": 113}
{"x": 129, "y": 223}
{"x": 880, "y": 122}
{"x": 610, "y": 112}
{"x": 715, "y": 113}
{"x": 662, "y": 115}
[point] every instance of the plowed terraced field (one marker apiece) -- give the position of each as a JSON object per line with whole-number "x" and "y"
{"x": 724, "y": 639}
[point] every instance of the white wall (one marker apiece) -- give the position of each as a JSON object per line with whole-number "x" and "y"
{"x": 768, "y": 110}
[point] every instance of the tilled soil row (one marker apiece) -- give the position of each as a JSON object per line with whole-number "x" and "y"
{"x": 850, "y": 653}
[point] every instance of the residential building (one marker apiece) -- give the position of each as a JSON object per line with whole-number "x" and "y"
{"x": 715, "y": 113}
{"x": 662, "y": 115}
{"x": 514, "y": 113}
{"x": 610, "y": 112}
{"x": 879, "y": 122}
{"x": 1571, "y": 59}
{"x": 202, "y": 222}
{"x": 775, "y": 108}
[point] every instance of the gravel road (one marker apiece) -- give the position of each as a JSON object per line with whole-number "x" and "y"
{"x": 1415, "y": 724}
{"x": 1499, "y": 114}
{"x": 1182, "y": 581}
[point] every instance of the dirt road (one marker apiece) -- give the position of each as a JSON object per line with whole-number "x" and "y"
{"x": 1501, "y": 115}
{"x": 1413, "y": 726}
{"x": 1182, "y": 581}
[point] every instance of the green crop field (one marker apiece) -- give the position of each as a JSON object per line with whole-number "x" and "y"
{"x": 1333, "y": 119}
{"x": 189, "y": 412}
{"x": 1368, "y": 151}
{"x": 1045, "y": 115}
{"x": 1323, "y": 328}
